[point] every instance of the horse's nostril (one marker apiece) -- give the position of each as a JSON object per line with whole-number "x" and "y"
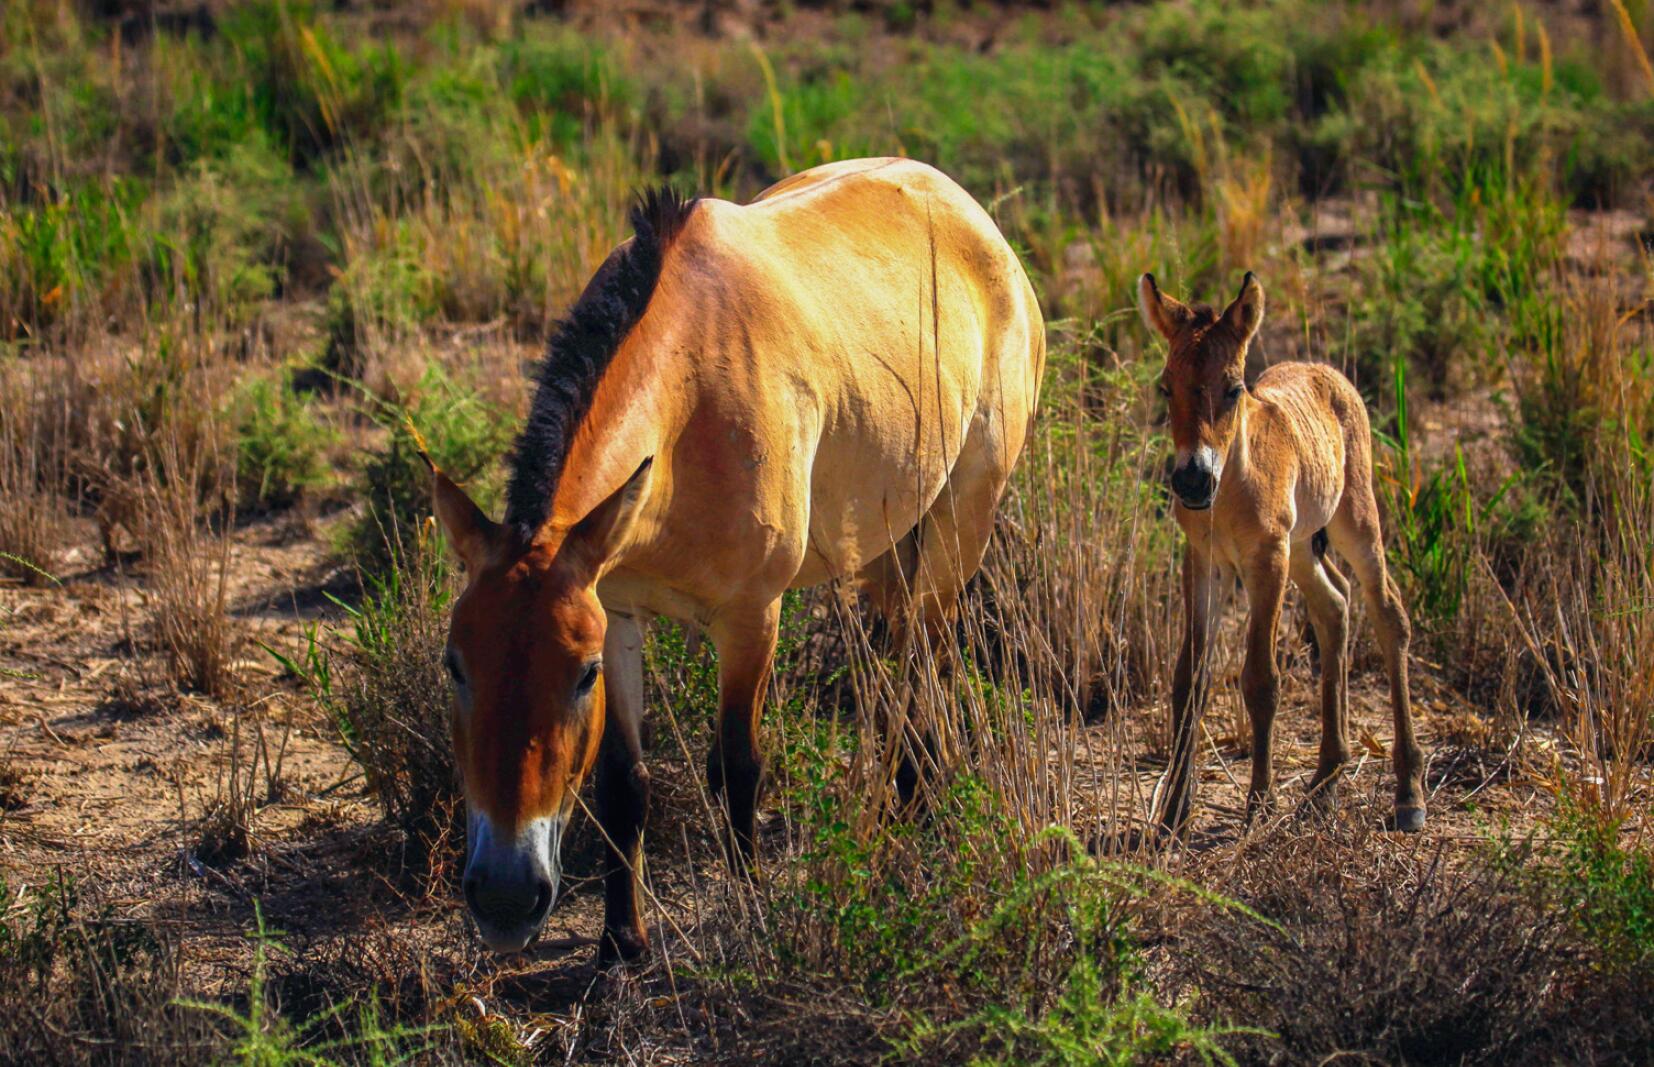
{"x": 543, "y": 900}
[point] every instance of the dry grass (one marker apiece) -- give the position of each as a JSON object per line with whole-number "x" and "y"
{"x": 186, "y": 547}
{"x": 1397, "y": 954}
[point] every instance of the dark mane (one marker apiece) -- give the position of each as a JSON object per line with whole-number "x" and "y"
{"x": 581, "y": 346}
{"x": 1204, "y": 315}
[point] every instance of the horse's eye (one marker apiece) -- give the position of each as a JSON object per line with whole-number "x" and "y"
{"x": 451, "y": 660}
{"x": 588, "y": 678}
{"x": 1234, "y": 392}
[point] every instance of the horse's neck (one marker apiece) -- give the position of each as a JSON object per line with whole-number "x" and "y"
{"x": 637, "y": 413}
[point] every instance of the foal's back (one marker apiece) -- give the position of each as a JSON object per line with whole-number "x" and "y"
{"x": 1313, "y": 430}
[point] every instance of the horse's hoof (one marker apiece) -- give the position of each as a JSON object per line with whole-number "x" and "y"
{"x": 621, "y": 948}
{"x": 1408, "y": 820}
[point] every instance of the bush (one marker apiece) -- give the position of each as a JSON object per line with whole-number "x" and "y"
{"x": 1605, "y": 886}
{"x": 389, "y": 697}
{"x": 281, "y": 444}
{"x": 83, "y": 986}
{"x": 463, "y": 434}
{"x": 1401, "y": 956}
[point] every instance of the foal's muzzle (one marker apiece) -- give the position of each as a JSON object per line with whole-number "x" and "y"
{"x": 1195, "y": 482}
{"x": 510, "y": 884}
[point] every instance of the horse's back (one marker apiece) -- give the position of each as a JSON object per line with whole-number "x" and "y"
{"x": 881, "y": 318}
{"x": 1321, "y": 413}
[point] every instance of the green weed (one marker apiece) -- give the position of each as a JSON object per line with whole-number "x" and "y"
{"x": 281, "y": 443}
{"x": 260, "y": 1036}
{"x": 462, "y": 433}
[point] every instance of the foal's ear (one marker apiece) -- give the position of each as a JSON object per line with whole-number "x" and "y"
{"x": 471, "y": 532}
{"x": 1160, "y": 312}
{"x": 1245, "y": 315}
{"x": 599, "y": 536}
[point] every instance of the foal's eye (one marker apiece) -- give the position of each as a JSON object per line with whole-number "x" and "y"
{"x": 588, "y": 678}
{"x": 451, "y": 661}
{"x": 1234, "y": 391}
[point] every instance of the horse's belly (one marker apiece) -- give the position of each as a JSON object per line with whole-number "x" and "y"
{"x": 873, "y": 480}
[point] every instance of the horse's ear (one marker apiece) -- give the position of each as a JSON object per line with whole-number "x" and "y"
{"x": 1245, "y": 315}
{"x": 1160, "y": 312}
{"x": 471, "y": 532}
{"x": 601, "y": 535}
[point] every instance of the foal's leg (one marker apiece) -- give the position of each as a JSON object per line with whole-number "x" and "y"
{"x": 1329, "y": 612}
{"x": 1204, "y": 592}
{"x": 1355, "y": 533}
{"x": 735, "y": 767}
{"x": 1265, "y": 581}
{"x": 622, "y": 790}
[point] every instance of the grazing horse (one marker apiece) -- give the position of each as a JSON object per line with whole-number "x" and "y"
{"x": 1265, "y": 478}
{"x": 832, "y": 382}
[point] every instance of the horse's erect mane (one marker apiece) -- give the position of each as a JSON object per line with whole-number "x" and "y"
{"x": 582, "y": 344}
{"x": 1202, "y": 316}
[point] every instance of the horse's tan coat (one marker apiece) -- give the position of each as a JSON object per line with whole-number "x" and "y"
{"x": 832, "y": 382}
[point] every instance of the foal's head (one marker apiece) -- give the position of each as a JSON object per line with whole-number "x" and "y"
{"x": 1204, "y": 382}
{"x": 525, "y": 649}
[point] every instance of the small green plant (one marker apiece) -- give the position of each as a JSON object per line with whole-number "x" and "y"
{"x": 1437, "y": 520}
{"x": 1606, "y": 884}
{"x": 260, "y": 1036}
{"x": 75, "y": 975}
{"x": 461, "y": 432}
{"x": 388, "y": 695}
{"x": 281, "y": 444}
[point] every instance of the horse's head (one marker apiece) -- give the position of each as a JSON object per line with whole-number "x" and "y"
{"x": 1204, "y": 380}
{"x": 525, "y": 652}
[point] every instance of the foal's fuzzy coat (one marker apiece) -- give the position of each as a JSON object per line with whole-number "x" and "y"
{"x": 1265, "y": 479}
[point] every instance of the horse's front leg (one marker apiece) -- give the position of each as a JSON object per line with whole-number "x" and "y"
{"x": 1202, "y": 593}
{"x": 622, "y": 791}
{"x": 735, "y": 766}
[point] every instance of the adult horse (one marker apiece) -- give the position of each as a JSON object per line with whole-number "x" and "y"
{"x": 833, "y": 381}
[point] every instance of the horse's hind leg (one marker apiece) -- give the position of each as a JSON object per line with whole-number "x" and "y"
{"x": 925, "y": 577}
{"x": 1356, "y": 535}
{"x": 1324, "y": 591}
{"x": 745, "y": 639}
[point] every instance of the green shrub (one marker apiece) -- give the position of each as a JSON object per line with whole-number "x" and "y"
{"x": 463, "y": 434}
{"x": 281, "y": 444}
{"x": 312, "y": 92}
{"x": 389, "y": 697}
{"x": 1606, "y": 885}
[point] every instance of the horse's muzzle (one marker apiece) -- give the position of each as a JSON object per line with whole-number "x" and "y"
{"x": 510, "y": 885}
{"x": 1195, "y": 484}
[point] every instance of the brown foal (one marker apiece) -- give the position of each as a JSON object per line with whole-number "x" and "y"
{"x": 1265, "y": 479}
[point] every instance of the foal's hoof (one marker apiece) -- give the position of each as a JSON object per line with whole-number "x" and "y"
{"x": 1131, "y": 842}
{"x": 1408, "y": 820}
{"x": 621, "y": 948}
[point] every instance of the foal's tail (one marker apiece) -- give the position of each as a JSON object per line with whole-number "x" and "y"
{"x": 1318, "y": 543}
